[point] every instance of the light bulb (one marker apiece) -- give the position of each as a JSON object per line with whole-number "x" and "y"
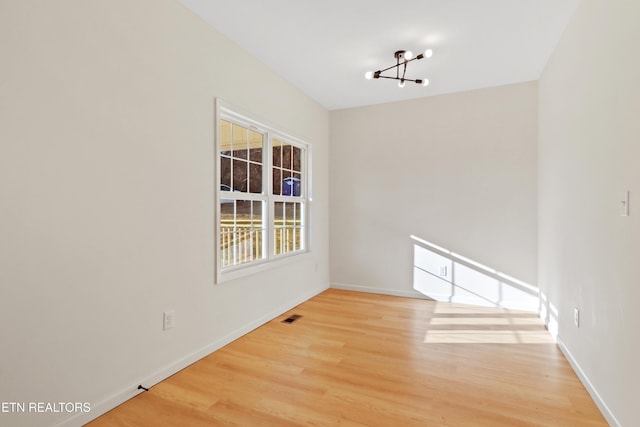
{"x": 428, "y": 53}
{"x": 425, "y": 82}
{"x": 368, "y": 75}
{"x": 408, "y": 55}
{"x": 401, "y": 83}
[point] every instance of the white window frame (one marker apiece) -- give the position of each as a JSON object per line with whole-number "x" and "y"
{"x": 228, "y": 112}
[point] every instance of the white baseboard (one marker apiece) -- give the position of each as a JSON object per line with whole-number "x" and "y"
{"x": 123, "y": 395}
{"x": 606, "y": 412}
{"x": 392, "y": 292}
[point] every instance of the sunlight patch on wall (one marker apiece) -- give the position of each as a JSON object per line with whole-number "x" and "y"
{"x": 444, "y": 275}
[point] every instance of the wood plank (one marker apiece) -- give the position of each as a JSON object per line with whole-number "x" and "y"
{"x": 357, "y": 359}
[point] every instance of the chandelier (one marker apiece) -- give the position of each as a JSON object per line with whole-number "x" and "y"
{"x": 403, "y": 57}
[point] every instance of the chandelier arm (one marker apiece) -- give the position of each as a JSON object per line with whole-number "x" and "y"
{"x": 397, "y": 66}
{"x": 398, "y": 78}
{"x": 388, "y": 68}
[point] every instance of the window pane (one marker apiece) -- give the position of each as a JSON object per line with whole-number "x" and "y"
{"x": 255, "y": 147}
{"x": 298, "y": 238}
{"x": 256, "y": 236}
{"x": 278, "y": 241}
{"x": 225, "y": 173}
{"x": 278, "y": 232}
{"x": 297, "y": 159}
{"x": 255, "y": 155}
{"x": 286, "y": 157}
{"x": 287, "y": 227}
{"x": 243, "y": 211}
{"x": 277, "y": 181}
{"x": 288, "y": 184}
{"x": 241, "y": 232}
{"x": 277, "y": 153}
{"x": 278, "y": 214}
{"x": 298, "y": 217}
{"x": 227, "y": 215}
{"x": 256, "y": 214}
{"x": 293, "y": 239}
{"x": 294, "y": 185}
{"x": 255, "y": 178}
{"x": 240, "y": 140}
{"x": 227, "y": 212}
{"x": 290, "y": 214}
{"x": 239, "y": 175}
{"x": 225, "y": 138}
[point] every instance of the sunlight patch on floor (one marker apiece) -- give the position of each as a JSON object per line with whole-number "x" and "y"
{"x": 488, "y": 321}
{"x": 488, "y": 337}
{"x": 468, "y": 324}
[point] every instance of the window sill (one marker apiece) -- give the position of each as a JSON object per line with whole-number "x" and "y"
{"x": 242, "y": 271}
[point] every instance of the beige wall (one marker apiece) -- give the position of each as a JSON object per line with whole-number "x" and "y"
{"x": 106, "y": 208}
{"x": 588, "y": 155}
{"x": 455, "y": 170}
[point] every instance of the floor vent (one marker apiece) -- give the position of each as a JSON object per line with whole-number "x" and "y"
{"x": 291, "y": 318}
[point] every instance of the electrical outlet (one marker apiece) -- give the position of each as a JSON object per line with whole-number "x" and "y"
{"x": 576, "y": 317}
{"x": 443, "y": 270}
{"x": 169, "y": 320}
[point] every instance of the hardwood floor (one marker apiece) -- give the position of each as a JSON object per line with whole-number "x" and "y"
{"x": 356, "y": 359}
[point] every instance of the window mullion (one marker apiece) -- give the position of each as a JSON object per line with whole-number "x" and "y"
{"x": 269, "y": 226}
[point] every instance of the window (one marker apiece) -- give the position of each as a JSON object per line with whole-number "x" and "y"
{"x": 263, "y": 190}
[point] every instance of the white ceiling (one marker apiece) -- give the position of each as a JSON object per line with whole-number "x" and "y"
{"x": 325, "y": 47}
